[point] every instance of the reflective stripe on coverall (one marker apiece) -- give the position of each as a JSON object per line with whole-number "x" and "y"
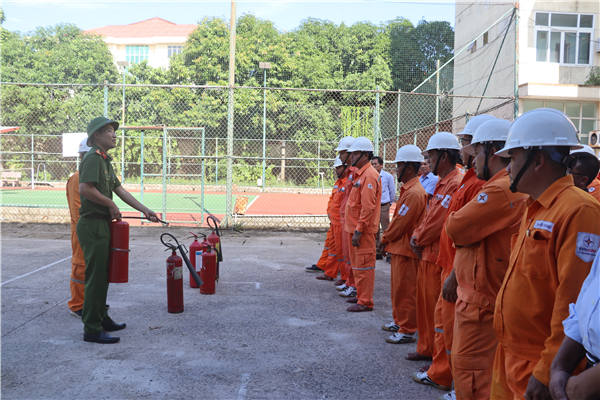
{"x": 335, "y": 262}
{"x": 347, "y": 188}
{"x": 429, "y": 275}
{"x": 77, "y": 282}
{"x": 362, "y": 214}
{"x": 328, "y": 253}
{"x": 481, "y": 232}
{"x": 441, "y": 368}
{"x": 410, "y": 211}
{"x": 550, "y": 258}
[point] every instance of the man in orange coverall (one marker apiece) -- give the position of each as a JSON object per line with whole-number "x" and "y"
{"x": 362, "y": 221}
{"x": 443, "y": 150}
{"x": 410, "y": 211}
{"x": 329, "y": 247}
{"x": 335, "y": 261}
{"x": 481, "y": 232}
{"x": 440, "y": 371}
{"x": 584, "y": 172}
{"x": 550, "y": 257}
{"x": 348, "y": 288}
{"x": 77, "y": 282}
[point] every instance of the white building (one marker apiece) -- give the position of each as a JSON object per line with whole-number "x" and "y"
{"x": 557, "y": 46}
{"x": 155, "y": 40}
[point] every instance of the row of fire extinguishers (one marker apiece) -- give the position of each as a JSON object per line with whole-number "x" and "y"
{"x": 203, "y": 263}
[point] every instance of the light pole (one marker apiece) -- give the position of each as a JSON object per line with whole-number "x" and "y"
{"x": 123, "y": 64}
{"x": 264, "y": 66}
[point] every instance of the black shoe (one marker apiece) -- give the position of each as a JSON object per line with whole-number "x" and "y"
{"x": 314, "y": 268}
{"x": 76, "y": 313}
{"x": 379, "y": 257}
{"x": 101, "y": 337}
{"x": 111, "y": 326}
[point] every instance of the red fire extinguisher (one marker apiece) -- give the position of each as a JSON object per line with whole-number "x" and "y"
{"x": 215, "y": 240}
{"x": 196, "y": 250}
{"x": 174, "y": 283}
{"x": 118, "y": 264}
{"x": 208, "y": 274}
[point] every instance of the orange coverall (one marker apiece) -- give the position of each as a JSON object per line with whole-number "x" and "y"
{"x": 441, "y": 369}
{"x": 329, "y": 247}
{"x": 335, "y": 262}
{"x": 347, "y": 189}
{"x": 481, "y": 232}
{"x": 429, "y": 274}
{"x": 362, "y": 214}
{"x": 550, "y": 258}
{"x": 594, "y": 189}
{"x": 77, "y": 262}
{"x": 410, "y": 211}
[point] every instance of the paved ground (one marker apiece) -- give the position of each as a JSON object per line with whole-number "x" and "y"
{"x": 270, "y": 332}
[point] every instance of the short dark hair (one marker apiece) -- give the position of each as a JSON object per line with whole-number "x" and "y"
{"x": 452, "y": 155}
{"x": 369, "y": 155}
{"x": 379, "y": 159}
{"x": 415, "y": 166}
{"x": 587, "y": 165}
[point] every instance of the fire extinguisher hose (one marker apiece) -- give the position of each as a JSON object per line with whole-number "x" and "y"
{"x": 216, "y": 228}
{"x": 182, "y": 251}
{"x": 162, "y": 222}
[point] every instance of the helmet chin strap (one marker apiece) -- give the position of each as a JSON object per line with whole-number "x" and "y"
{"x": 437, "y": 163}
{"x": 486, "y": 170}
{"x": 469, "y": 162}
{"x": 530, "y": 158}
{"x": 362, "y": 153}
{"x": 402, "y": 173}
{"x": 345, "y": 164}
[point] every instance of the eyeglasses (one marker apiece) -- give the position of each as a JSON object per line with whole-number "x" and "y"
{"x": 569, "y": 172}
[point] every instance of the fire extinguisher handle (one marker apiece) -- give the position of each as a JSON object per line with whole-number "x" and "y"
{"x": 216, "y": 227}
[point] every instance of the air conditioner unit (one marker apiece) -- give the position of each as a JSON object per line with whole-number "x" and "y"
{"x": 598, "y": 46}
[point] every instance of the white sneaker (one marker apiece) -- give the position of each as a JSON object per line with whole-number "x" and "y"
{"x": 400, "y": 338}
{"x": 451, "y": 395}
{"x": 341, "y": 288}
{"x": 424, "y": 379}
{"x": 350, "y": 292}
{"x": 391, "y": 327}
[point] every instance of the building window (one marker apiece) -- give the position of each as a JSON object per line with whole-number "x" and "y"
{"x": 175, "y": 50}
{"x": 485, "y": 38}
{"x": 563, "y": 38}
{"x": 136, "y": 54}
{"x": 583, "y": 115}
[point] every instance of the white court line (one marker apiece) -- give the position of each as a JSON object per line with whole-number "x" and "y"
{"x": 242, "y": 392}
{"x": 256, "y": 284}
{"x": 32, "y": 272}
{"x": 252, "y": 202}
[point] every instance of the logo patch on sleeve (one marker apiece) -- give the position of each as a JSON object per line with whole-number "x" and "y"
{"x": 403, "y": 210}
{"x": 545, "y": 225}
{"x": 590, "y": 190}
{"x": 482, "y": 197}
{"x": 439, "y": 197}
{"x": 446, "y": 201}
{"x": 587, "y": 246}
{"x": 370, "y": 186}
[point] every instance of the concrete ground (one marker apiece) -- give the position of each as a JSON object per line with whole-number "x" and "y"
{"x": 272, "y": 331}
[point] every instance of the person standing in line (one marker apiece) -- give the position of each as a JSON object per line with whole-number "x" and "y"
{"x": 427, "y": 178}
{"x": 77, "y": 282}
{"x": 412, "y": 205}
{"x": 388, "y": 195}
{"x": 550, "y": 257}
{"x": 97, "y": 181}
{"x": 443, "y": 151}
{"x": 362, "y": 220}
{"x": 481, "y": 232}
{"x": 585, "y": 171}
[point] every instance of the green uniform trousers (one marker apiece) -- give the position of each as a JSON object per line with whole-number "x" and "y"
{"x": 94, "y": 238}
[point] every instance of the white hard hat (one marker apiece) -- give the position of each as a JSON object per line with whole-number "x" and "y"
{"x": 493, "y": 130}
{"x": 541, "y": 127}
{"x": 409, "y": 153}
{"x": 442, "y": 140}
{"x": 361, "y": 144}
{"x": 83, "y": 147}
{"x": 584, "y": 149}
{"x": 337, "y": 162}
{"x": 345, "y": 143}
{"x": 473, "y": 124}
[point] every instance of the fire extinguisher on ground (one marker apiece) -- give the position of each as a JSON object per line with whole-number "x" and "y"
{"x": 196, "y": 250}
{"x": 175, "y": 274}
{"x": 215, "y": 239}
{"x": 209, "y": 270}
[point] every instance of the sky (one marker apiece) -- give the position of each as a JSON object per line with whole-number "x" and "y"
{"x": 26, "y": 15}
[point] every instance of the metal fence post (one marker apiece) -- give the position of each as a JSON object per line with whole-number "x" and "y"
{"x": 229, "y": 186}
{"x": 376, "y": 133}
{"x": 516, "y": 10}
{"x": 164, "y": 175}
{"x": 123, "y": 135}
{"x": 398, "y": 121}
{"x": 202, "y": 171}
{"x": 142, "y": 170}
{"x": 437, "y": 96}
{"x": 318, "y": 161}
{"x": 32, "y": 163}
{"x": 106, "y": 99}
{"x": 264, "y": 149}
{"x": 216, "y": 161}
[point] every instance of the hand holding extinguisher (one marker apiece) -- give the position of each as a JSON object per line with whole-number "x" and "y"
{"x": 182, "y": 251}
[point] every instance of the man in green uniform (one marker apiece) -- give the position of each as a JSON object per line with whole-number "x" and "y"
{"x": 97, "y": 181}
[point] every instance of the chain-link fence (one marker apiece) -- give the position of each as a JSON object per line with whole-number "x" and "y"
{"x": 172, "y": 150}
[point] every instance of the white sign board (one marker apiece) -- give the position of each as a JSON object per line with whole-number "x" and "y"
{"x": 70, "y": 142}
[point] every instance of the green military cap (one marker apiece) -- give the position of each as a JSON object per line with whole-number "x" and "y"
{"x": 98, "y": 123}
